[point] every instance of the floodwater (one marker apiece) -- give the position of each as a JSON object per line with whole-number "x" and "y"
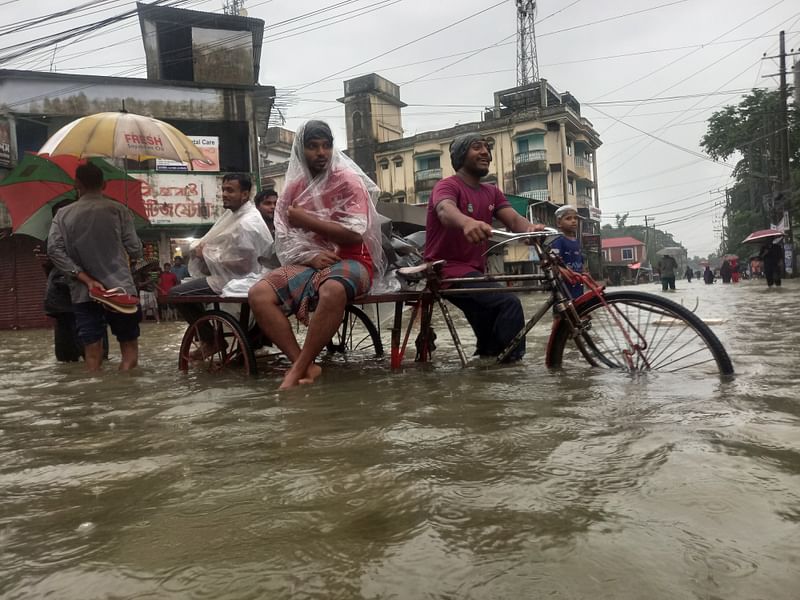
{"x": 430, "y": 483}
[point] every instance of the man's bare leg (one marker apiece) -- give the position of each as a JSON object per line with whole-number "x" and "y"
{"x": 93, "y": 355}
{"x": 130, "y": 355}
{"x": 276, "y": 326}
{"x": 327, "y": 318}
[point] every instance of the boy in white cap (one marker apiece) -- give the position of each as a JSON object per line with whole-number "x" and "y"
{"x": 568, "y": 247}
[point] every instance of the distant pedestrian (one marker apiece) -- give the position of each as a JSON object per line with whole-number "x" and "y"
{"x": 734, "y": 270}
{"x": 725, "y": 271}
{"x": 166, "y": 280}
{"x": 772, "y": 256}
{"x": 181, "y": 270}
{"x": 666, "y": 269}
{"x": 689, "y": 274}
{"x": 708, "y": 275}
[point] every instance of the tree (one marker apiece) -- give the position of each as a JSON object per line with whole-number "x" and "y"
{"x": 750, "y": 130}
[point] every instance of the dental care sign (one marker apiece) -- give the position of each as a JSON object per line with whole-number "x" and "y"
{"x": 181, "y": 198}
{"x": 207, "y": 144}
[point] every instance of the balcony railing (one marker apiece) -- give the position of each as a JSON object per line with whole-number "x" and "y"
{"x": 541, "y": 195}
{"x": 585, "y": 200}
{"x": 427, "y": 174}
{"x": 529, "y": 156}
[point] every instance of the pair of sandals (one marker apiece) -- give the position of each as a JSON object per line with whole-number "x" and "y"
{"x": 116, "y": 299}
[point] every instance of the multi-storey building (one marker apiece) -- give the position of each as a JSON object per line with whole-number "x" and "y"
{"x": 544, "y": 151}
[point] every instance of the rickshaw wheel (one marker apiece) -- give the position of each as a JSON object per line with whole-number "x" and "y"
{"x": 233, "y": 349}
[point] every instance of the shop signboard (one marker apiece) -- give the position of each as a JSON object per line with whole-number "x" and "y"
{"x": 5, "y": 143}
{"x": 181, "y": 198}
{"x": 208, "y": 145}
{"x": 788, "y": 250}
{"x": 591, "y": 243}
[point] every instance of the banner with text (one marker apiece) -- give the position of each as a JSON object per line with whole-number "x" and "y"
{"x": 5, "y": 143}
{"x": 208, "y": 145}
{"x": 181, "y": 198}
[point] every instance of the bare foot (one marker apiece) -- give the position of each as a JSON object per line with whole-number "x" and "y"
{"x": 293, "y": 378}
{"x": 312, "y": 372}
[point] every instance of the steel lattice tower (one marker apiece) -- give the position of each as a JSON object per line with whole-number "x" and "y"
{"x": 527, "y": 61}
{"x": 233, "y": 7}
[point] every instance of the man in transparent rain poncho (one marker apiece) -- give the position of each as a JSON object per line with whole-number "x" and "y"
{"x": 328, "y": 239}
{"x": 228, "y": 259}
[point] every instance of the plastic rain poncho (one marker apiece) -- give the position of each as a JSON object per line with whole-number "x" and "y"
{"x": 341, "y": 194}
{"x": 234, "y": 251}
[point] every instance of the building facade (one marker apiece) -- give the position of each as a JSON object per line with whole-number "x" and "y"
{"x": 623, "y": 259}
{"x": 202, "y": 74}
{"x": 544, "y": 151}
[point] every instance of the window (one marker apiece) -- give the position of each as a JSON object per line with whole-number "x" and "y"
{"x": 398, "y": 161}
{"x": 357, "y": 123}
{"x": 569, "y": 148}
{"x": 571, "y": 186}
{"x": 530, "y": 142}
{"x": 384, "y": 163}
{"x": 423, "y": 197}
{"x": 428, "y": 162}
{"x": 627, "y": 254}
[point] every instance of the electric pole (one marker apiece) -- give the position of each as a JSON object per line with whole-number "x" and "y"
{"x": 527, "y": 60}
{"x": 786, "y": 177}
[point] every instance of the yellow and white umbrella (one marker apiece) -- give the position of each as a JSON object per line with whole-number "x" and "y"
{"x": 122, "y": 135}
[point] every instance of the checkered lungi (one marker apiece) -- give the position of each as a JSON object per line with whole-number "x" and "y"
{"x": 297, "y": 286}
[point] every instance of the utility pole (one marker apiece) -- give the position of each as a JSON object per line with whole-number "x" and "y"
{"x": 786, "y": 178}
{"x": 785, "y": 193}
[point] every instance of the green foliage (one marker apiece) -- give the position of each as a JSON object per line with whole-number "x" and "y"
{"x": 750, "y": 130}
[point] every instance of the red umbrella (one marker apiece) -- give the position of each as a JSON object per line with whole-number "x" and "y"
{"x": 762, "y": 235}
{"x": 39, "y": 181}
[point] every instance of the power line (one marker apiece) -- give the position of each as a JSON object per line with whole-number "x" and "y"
{"x": 406, "y": 44}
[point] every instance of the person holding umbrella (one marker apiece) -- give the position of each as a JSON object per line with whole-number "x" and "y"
{"x": 771, "y": 255}
{"x": 91, "y": 241}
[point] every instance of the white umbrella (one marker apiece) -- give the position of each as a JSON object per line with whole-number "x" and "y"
{"x": 671, "y": 251}
{"x": 122, "y": 135}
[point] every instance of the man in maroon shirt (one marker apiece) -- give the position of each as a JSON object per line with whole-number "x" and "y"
{"x": 459, "y": 225}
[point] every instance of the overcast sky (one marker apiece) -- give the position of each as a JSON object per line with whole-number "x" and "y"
{"x": 705, "y": 52}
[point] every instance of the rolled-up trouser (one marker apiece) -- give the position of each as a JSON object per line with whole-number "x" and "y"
{"x": 494, "y": 317}
{"x": 191, "y": 311}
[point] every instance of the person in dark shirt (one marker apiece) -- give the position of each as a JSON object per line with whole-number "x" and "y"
{"x": 771, "y": 254}
{"x": 91, "y": 241}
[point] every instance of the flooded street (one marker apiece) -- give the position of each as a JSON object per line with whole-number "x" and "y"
{"x": 437, "y": 482}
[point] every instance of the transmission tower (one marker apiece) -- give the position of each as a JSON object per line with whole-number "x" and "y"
{"x": 527, "y": 61}
{"x": 233, "y": 7}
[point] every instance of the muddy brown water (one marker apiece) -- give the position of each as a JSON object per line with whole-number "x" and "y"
{"x": 430, "y": 483}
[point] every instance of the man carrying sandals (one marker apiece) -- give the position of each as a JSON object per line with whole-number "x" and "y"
{"x": 91, "y": 241}
{"x": 459, "y": 225}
